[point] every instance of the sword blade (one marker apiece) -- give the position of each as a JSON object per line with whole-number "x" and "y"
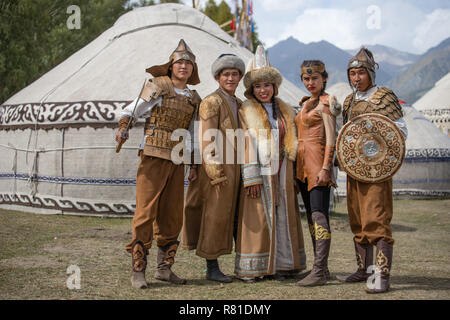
{"x": 125, "y": 133}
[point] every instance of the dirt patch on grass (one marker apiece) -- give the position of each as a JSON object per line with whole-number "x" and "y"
{"x": 97, "y": 233}
{"x": 43, "y": 247}
{"x": 36, "y": 261}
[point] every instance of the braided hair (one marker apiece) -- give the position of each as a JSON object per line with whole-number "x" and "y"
{"x": 276, "y": 109}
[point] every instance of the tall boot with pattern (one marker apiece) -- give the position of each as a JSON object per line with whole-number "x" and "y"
{"x": 318, "y": 275}
{"x": 384, "y": 263}
{"x": 139, "y": 263}
{"x": 312, "y": 232}
{"x": 364, "y": 258}
{"x": 165, "y": 260}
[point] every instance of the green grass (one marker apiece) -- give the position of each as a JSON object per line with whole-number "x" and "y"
{"x": 37, "y": 249}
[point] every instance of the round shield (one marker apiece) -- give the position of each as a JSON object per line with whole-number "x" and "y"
{"x": 370, "y": 148}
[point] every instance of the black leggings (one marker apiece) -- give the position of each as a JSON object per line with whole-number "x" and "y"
{"x": 318, "y": 199}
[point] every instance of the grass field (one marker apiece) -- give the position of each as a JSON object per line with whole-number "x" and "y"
{"x": 36, "y": 251}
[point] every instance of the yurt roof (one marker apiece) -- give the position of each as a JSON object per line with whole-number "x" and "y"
{"x": 112, "y": 67}
{"x": 436, "y": 98}
{"x": 341, "y": 90}
{"x": 422, "y": 133}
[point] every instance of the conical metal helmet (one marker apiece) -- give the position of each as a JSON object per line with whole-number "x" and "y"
{"x": 363, "y": 59}
{"x": 181, "y": 52}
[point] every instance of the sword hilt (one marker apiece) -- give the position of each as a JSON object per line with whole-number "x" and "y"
{"x": 124, "y": 136}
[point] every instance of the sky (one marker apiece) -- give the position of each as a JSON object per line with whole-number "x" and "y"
{"x": 410, "y": 25}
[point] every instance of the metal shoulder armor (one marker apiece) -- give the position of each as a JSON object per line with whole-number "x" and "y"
{"x": 157, "y": 87}
{"x": 385, "y": 102}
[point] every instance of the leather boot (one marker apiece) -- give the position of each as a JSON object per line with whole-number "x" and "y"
{"x": 213, "y": 272}
{"x": 139, "y": 263}
{"x": 313, "y": 238}
{"x": 318, "y": 275}
{"x": 312, "y": 232}
{"x": 165, "y": 260}
{"x": 364, "y": 258}
{"x": 383, "y": 263}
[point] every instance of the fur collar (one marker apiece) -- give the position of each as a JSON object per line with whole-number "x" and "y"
{"x": 256, "y": 118}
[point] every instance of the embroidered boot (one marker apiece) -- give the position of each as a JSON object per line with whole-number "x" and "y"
{"x": 165, "y": 260}
{"x": 139, "y": 263}
{"x": 364, "y": 258}
{"x": 383, "y": 263}
{"x": 213, "y": 272}
{"x": 312, "y": 232}
{"x": 318, "y": 275}
{"x": 313, "y": 239}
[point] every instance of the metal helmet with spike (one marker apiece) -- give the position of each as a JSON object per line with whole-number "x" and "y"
{"x": 258, "y": 70}
{"x": 363, "y": 59}
{"x": 181, "y": 52}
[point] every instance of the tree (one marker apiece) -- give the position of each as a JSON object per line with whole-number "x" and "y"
{"x": 255, "y": 36}
{"x": 218, "y": 13}
{"x": 34, "y": 36}
{"x": 222, "y": 13}
{"x": 144, "y": 3}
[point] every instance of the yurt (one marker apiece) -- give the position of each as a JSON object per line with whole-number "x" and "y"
{"x": 425, "y": 172}
{"x": 57, "y": 134}
{"x": 341, "y": 90}
{"x": 435, "y": 104}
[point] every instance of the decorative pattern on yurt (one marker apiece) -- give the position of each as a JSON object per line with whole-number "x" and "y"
{"x": 57, "y": 134}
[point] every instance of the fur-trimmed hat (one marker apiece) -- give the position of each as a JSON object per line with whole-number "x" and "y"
{"x": 181, "y": 52}
{"x": 258, "y": 70}
{"x": 227, "y": 61}
{"x": 363, "y": 59}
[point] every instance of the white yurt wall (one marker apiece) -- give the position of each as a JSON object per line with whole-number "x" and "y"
{"x": 57, "y": 134}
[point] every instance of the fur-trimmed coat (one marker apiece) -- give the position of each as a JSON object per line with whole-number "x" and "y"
{"x": 269, "y": 237}
{"x": 210, "y": 207}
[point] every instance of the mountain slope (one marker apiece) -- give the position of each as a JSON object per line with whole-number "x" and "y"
{"x": 409, "y": 75}
{"x": 287, "y": 56}
{"x": 421, "y": 76}
{"x": 389, "y": 55}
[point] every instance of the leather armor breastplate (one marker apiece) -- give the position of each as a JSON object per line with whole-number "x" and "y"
{"x": 360, "y": 107}
{"x": 174, "y": 113}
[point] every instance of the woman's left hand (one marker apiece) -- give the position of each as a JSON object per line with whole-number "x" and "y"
{"x": 323, "y": 178}
{"x": 192, "y": 175}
